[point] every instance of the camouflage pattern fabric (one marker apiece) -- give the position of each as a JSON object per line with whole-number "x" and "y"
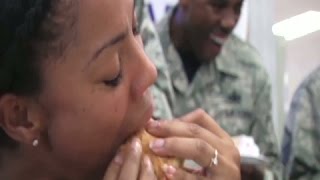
{"x": 302, "y": 133}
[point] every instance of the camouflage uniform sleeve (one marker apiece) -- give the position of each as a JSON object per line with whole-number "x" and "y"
{"x": 304, "y": 163}
{"x": 154, "y": 51}
{"x": 161, "y": 107}
{"x": 263, "y": 129}
{"x": 286, "y": 148}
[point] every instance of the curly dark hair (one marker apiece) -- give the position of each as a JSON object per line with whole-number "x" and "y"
{"x": 30, "y": 31}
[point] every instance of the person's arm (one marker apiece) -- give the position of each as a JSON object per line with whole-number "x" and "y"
{"x": 304, "y": 163}
{"x": 161, "y": 106}
{"x": 152, "y": 46}
{"x": 154, "y": 50}
{"x": 150, "y": 37}
{"x": 263, "y": 128}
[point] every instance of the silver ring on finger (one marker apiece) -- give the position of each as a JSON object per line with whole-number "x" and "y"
{"x": 214, "y": 160}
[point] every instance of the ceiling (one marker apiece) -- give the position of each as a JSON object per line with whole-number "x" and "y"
{"x": 288, "y": 8}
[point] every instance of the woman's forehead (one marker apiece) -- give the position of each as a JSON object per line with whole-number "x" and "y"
{"x": 107, "y": 15}
{"x": 98, "y": 22}
{"x": 108, "y": 6}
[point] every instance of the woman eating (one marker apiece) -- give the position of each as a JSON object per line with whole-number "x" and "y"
{"x": 74, "y": 82}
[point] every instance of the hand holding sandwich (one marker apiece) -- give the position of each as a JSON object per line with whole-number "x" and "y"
{"x": 195, "y": 136}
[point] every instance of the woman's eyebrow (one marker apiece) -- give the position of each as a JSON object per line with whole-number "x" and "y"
{"x": 112, "y": 42}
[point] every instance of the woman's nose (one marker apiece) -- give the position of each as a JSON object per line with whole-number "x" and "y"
{"x": 146, "y": 73}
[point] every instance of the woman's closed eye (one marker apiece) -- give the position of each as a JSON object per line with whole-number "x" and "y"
{"x": 115, "y": 81}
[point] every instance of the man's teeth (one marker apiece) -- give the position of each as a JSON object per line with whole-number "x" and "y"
{"x": 218, "y": 40}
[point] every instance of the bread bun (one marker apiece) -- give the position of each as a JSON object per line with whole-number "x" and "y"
{"x": 157, "y": 161}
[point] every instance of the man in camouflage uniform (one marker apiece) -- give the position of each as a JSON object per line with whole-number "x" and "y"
{"x": 302, "y": 134}
{"x": 227, "y": 81}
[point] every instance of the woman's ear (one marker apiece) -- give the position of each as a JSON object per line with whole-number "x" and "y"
{"x": 19, "y": 118}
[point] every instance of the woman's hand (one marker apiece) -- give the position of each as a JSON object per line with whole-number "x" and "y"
{"x": 197, "y": 137}
{"x": 130, "y": 164}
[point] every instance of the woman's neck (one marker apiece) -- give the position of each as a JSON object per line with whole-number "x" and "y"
{"x": 12, "y": 166}
{"x": 15, "y": 165}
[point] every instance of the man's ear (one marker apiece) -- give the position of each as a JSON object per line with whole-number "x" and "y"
{"x": 19, "y": 119}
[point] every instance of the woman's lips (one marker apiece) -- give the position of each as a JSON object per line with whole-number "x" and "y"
{"x": 148, "y": 101}
{"x": 148, "y": 112}
{"x": 145, "y": 115}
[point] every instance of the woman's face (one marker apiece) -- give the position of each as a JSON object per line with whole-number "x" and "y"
{"x": 96, "y": 95}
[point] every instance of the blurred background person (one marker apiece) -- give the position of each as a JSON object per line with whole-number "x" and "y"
{"x": 74, "y": 88}
{"x": 301, "y": 149}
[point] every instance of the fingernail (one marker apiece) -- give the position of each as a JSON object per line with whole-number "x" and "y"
{"x": 157, "y": 144}
{"x": 169, "y": 170}
{"x": 153, "y": 124}
{"x": 118, "y": 159}
{"x": 147, "y": 163}
{"x": 136, "y": 145}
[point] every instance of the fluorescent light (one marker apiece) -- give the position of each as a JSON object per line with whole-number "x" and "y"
{"x": 298, "y": 26}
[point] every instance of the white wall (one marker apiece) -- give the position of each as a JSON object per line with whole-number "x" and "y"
{"x": 159, "y": 7}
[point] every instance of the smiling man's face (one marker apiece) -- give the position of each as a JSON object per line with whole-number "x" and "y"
{"x": 208, "y": 24}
